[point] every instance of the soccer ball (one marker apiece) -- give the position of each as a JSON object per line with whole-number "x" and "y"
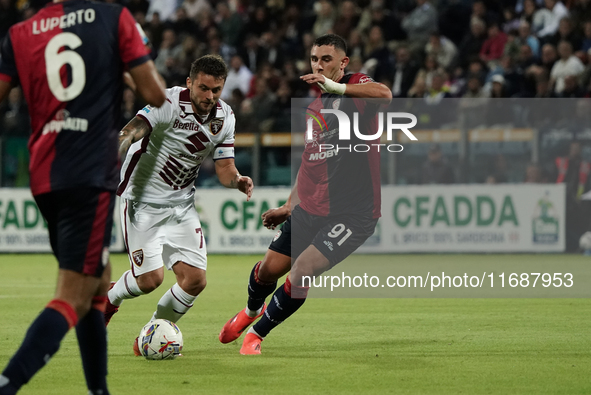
{"x": 585, "y": 241}
{"x": 160, "y": 339}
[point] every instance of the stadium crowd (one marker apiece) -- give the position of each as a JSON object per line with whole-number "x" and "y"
{"x": 427, "y": 49}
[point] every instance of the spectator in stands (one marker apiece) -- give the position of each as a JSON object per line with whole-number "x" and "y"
{"x": 585, "y": 77}
{"x": 567, "y": 65}
{"x": 480, "y": 11}
{"x": 418, "y": 89}
{"x": 251, "y": 52}
{"x": 258, "y": 24}
{"x": 355, "y": 45}
{"x": 526, "y": 37}
{"x": 498, "y": 88}
{"x": 538, "y": 18}
{"x": 205, "y": 22}
{"x": 239, "y": 76}
{"x": 546, "y": 63}
{"x": 347, "y": 19}
{"x": 442, "y": 49}
{"x": 581, "y": 12}
{"x": 293, "y": 30}
{"x": 376, "y": 49}
{"x": 14, "y": 115}
{"x": 419, "y": 24}
{"x": 559, "y": 11}
{"x": 169, "y": 48}
{"x": 271, "y": 49}
{"x": 405, "y": 71}
{"x": 473, "y": 41}
{"x": 493, "y": 47}
{"x": 389, "y": 24}
{"x": 217, "y": 47}
{"x": 514, "y": 77}
{"x": 190, "y": 50}
{"x": 436, "y": 170}
{"x": 439, "y": 88}
{"x": 281, "y": 108}
{"x": 511, "y": 22}
{"x": 571, "y": 88}
{"x": 429, "y": 69}
{"x": 586, "y": 43}
{"x": 229, "y": 24}
{"x": 566, "y": 33}
{"x": 155, "y": 30}
{"x": 164, "y": 8}
{"x": 325, "y": 18}
{"x": 195, "y": 8}
{"x": 534, "y": 174}
{"x": 474, "y": 88}
{"x": 183, "y": 25}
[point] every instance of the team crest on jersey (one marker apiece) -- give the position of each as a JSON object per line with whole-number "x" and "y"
{"x": 215, "y": 126}
{"x": 138, "y": 257}
{"x": 277, "y": 235}
{"x": 336, "y": 104}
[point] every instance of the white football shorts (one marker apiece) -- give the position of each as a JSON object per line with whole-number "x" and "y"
{"x": 157, "y": 235}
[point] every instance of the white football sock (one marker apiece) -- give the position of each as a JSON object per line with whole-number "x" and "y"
{"x": 253, "y": 313}
{"x": 125, "y": 288}
{"x": 174, "y": 304}
{"x": 251, "y": 330}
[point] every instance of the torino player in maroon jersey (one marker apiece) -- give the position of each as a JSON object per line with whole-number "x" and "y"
{"x": 338, "y": 206}
{"x": 69, "y": 59}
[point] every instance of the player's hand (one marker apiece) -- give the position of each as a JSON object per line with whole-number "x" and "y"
{"x": 326, "y": 85}
{"x": 275, "y": 216}
{"x": 245, "y": 185}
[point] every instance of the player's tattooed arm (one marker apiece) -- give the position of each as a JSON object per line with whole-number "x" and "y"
{"x": 231, "y": 178}
{"x": 134, "y": 131}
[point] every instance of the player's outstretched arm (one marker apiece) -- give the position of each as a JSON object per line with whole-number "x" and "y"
{"x": 231, "y": 178}
{"x": 148, "y": 83}
{"x": 368, "y": 90}
{"x": 134, "y": 131}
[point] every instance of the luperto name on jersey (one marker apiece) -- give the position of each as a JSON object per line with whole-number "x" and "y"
{"x": 64, "y": 21}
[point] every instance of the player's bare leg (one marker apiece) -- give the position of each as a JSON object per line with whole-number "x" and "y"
{"x": 287, "y": 299}
{"x": 262, "y": 283}
{"x": 130, "y": 287}
{"x": 79, "y": 301}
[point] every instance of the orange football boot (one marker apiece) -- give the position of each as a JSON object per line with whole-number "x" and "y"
{"x": 237, "y": 324}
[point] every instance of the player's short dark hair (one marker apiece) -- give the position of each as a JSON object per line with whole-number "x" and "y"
{"x": 331, "y": 39}
{"x": 212, "y": 65}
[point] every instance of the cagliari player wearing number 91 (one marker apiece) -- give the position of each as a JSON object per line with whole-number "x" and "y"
{"x": 69, "y": 59}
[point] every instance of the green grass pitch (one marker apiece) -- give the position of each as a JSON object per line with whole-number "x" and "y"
{"x": 331, "y": 346}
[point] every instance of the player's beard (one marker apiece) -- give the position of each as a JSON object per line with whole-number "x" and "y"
{"x": 203, "y": 108}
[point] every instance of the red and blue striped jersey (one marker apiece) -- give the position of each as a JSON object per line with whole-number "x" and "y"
{"x": 69, "y": 59}
{"x": 333, "y": 182}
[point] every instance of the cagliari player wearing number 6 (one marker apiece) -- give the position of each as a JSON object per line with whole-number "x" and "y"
{"x": 69, "y": 59}
{"x": 163, "y": 150}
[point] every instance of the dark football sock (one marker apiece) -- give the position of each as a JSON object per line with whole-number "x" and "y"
{"x": 92, "y": 340}
{"x": 258, "y": 290}
{"x": 41, "y": 342}
{"x": 281, "y": 307}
